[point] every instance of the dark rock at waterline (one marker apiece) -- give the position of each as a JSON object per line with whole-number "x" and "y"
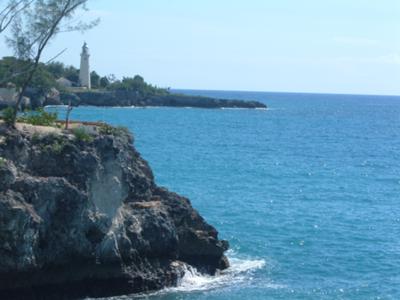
{"x": 131, "y": 98}
{"x": 86, "y": 219}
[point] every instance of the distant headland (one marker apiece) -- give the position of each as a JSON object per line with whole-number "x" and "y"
{"x": 57, "y": 84}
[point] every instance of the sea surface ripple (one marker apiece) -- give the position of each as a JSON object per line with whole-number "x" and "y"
{"x": 307, "y": 191}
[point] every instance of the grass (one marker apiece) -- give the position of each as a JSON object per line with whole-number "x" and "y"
{"x": 58, "y": 146}
{"x": 39, "y": 117}
{"x": 111, "y": 130}
{"x": 81, "y": 134}
{"x": 8, "y": 115}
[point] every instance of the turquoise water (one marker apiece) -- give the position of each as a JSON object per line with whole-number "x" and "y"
{"x": 307, "y": 192}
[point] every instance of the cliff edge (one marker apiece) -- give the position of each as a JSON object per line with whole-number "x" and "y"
{"x": 81, "y": 215}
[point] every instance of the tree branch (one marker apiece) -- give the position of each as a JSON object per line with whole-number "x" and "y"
{"x": 9, "y": 13}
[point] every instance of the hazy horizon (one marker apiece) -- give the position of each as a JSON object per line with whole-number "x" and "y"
{"x": 285, "y": 92}
{"x": 335, "y": 47}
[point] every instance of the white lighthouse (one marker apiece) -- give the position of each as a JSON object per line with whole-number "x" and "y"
{"x": 84, "y": 72}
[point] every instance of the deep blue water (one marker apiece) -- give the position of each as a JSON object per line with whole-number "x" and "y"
{"x": 307, "y": 192}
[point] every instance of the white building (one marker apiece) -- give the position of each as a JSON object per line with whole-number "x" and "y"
{"x": 64, "y": 82}
{"x": 84, "y": 72}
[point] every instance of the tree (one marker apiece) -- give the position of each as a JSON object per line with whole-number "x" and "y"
{"x": 42, "y": 80}
{"x": 95, "y": 79}
{"x": 11, "y": 10}
{"x": 137, "y": 85}
{"x": 57, "y": 69}
{"x": 104, "y": 82}
{"x": 72, "y": 74}
{"x": 34, "y": 28}
{"x": 68, "y": 112}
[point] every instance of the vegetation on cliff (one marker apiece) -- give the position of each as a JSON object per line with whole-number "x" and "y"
{"x": 46, "y": 76}
{"x": 109, "y": 91}
{"x": 42, "y": 80}
{"x": 33, "y": 24}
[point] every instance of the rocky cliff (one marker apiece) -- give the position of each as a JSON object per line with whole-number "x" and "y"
{"x": 131, "y": 98}
{"x": 84, "y": 217}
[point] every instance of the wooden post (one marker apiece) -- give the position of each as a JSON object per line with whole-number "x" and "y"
{"x": 69, "y": 109}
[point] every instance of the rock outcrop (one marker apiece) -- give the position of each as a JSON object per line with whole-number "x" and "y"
{"x": 84, "y": 217}
{"x": 131, "y": 98}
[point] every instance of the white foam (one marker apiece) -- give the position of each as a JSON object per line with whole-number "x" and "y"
{"x": 239, "y": 271}
{"x": 235, "y": 108}
{"x": 243, "y": 265}
{"x": 56, "y": 106}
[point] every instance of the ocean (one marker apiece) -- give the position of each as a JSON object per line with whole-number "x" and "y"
{"x": 307, "y": 192}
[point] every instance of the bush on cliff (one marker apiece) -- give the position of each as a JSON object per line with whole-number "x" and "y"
{"x": 39, "y": 117}
{"x": 81, "y": 134}
{"x": 111, "y": 130}
{"x": 8, "y": 115}
{"x": 13, "y": 70}
{"x": 2, "y": 162}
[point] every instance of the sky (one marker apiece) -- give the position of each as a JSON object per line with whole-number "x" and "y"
{"x": 329, "y": 46}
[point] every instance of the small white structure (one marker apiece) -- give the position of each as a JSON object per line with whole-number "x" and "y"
{"x": 84, "y": 72}
{"x": 64, "y": 82}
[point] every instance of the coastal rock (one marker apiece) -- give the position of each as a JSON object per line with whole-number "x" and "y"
{"x": 53, "y": 97}
{"x": 37, "y": 97}
{"x": 8, "y": 173}
{"x": 132, "y": 98}
{"x": 85, "y": 218}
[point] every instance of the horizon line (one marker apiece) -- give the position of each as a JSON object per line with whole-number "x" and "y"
{"x": 285, "y": 92}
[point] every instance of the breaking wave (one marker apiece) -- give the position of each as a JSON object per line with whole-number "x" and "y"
{"x": 240, "y": 271}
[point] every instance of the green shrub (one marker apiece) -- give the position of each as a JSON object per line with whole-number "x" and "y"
{"x": 106, "y": 129}
{"x": 138, "y": 85}
{"x": 81, "y": 134}
{"x": 111, "y": 130}
{"x": 2, "y": 162}
{"x": 8, "y": 115}
{"x": 35, "y": 137}
{"x": 57, "y": 147}
{"x": 123, "y": 130}
{"x": 39, "y": 117}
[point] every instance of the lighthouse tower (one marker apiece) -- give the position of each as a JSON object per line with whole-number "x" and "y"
{"x": 84, "y": 72}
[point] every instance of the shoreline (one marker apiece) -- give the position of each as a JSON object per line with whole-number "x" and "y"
{"x": 122, "y": 98}
{"x": 158, "y": 107}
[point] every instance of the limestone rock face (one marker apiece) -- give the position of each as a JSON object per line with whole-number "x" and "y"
{"x": 86, "y": 219}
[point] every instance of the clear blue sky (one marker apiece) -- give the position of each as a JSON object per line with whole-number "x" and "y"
{"x": 335, "y": 46}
